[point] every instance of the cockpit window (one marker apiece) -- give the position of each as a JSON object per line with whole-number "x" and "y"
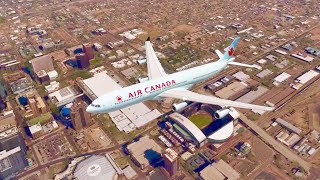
{"x": 95, "y": 105}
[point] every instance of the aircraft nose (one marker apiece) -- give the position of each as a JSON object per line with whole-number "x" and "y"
{"x": 90, "y": 109}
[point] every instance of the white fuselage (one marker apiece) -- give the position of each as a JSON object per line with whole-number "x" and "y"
{"x": 150, "y": 90}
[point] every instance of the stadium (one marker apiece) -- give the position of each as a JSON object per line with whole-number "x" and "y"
{"x": 198, "y": 124}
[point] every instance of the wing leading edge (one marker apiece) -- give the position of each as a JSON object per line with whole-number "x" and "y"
{"x": 155, "y": 70}
{"x": 195, "y": 97}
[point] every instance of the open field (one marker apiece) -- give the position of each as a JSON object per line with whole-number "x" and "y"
{"x": 201, "y": 120}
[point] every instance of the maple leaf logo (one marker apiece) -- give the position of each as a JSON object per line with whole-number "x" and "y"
{"x": 119, "y": 98}
{"x": 230, "y": 52}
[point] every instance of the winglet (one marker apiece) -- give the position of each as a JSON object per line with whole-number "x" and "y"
{"x": 148, "y": 39}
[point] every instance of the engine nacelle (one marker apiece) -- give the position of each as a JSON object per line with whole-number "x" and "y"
{"x": 143, "y": 79}
{"x": 142, "y": 61}
{"x": 219, "y": 114}
{"x": 177, "y": 107}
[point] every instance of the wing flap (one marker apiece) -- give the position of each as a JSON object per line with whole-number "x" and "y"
{"x": 195, "y": 97}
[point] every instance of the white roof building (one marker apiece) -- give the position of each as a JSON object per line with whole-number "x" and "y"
{"x": 126, "y": 119}
{"x": 63, "y": 96}
{"x": 96, "y": 167}
{"x": 281, "y": 78}
{"x": 35, "y": 128}
{"x": 189, "y": 126}
{"x": 223, "y": 133}
{"x": 306, "y": 77}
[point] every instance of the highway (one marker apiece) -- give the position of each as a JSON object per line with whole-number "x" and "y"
{"x": 275, "y": 144}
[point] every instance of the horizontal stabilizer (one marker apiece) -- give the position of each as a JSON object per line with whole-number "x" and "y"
{"x": 219, "y": 53}
{"x": 245, "y": 65}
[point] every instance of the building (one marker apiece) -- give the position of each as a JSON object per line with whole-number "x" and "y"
{"x": 13, "y": 65}
{"x": 281, "y": 78}
{"x": 36, "y": 130}
{"x": 140, "y": 149}
{"x": 130, "y": 73}
{"x": 196, "y": 134}
{"x": 303, "y": 58}
{"x": 36, "y": 104}
{"x": 7, "y": 120}
{"x": 253, "y": 95}
{"x": 43, "y": 68}
{"x": 312, "y": 51}
{"x": 82, "y": 61}
{"x": 64, "y": 96}
{"x": 216, "y": 131}
{"x": 88, "y": 51}
{"x": 233, "y": 90}
{"x": 12, "y": 153}
{"x": 126, "y": 119}
{"x": 96, "y": 167}
{"x": 288, "y": 126}
{"x": 43, "y": 76}
{"x": 21, "y": 85}
{"x": 219, "y": 171}
{"x": 264, "y": 73}
{"x": 42, "y": 63}
{"x": 79, "y": 116}
{"x": 171, "y": 162}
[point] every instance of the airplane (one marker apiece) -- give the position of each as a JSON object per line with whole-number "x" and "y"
{"x": 161, "y": 85}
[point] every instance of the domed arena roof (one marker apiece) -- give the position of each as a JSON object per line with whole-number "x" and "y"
{"x": 96, "y": 167}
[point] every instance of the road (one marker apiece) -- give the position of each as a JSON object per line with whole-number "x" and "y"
{"x": 275, "y": 144}
{"x": 105, "y": 150}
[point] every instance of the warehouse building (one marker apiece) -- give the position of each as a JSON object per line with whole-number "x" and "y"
{"x": 126, "y": 119}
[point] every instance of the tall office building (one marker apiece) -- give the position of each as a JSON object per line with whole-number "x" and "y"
{"x": 36, "y": 104}
{"x": 33, "y": 106}
{"x": 82, "y": 61}
{"x": 79, "y": 116}
{"x": 12, "y": 153}
{"x": 171, "y": 163}
{"x": 88, "y": 50}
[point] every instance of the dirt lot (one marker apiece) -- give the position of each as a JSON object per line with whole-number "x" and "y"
{"x": 316, "y": 34}
{"x": 262, "y": 156}
{"x": 185, "y": 28}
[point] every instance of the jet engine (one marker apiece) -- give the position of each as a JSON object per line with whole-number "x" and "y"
{"x": 142, "y": 61}
{"x": 177, "y": 107}
{"x": 219, "y": 114}
{"x": 143, "y": 79}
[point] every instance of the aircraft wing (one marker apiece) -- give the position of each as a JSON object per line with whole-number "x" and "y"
{"x": 155, "y": 69}
{"x": 195, "y": 97}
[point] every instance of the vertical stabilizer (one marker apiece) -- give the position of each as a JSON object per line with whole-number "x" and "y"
{"x": 228, "y": 54}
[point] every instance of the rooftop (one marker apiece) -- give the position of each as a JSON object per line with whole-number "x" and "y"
{"x": 21, "y": 85}
{"x": 223, "y": 133}
{"x": 171, "y": 154}
{"x": 9, "y": 132}
{"x": 42, "y": 63}
{"x": 138, "y": 149}
{"x": 126, "y": 119}
{"x": 288, "y": 125}
{"x": 98, "y": 85}
{"x": 35, "y": 128}
{"x": 96, "y": 167}
{"x": 192, "y": 128}
{"x": 5, "y": 154}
